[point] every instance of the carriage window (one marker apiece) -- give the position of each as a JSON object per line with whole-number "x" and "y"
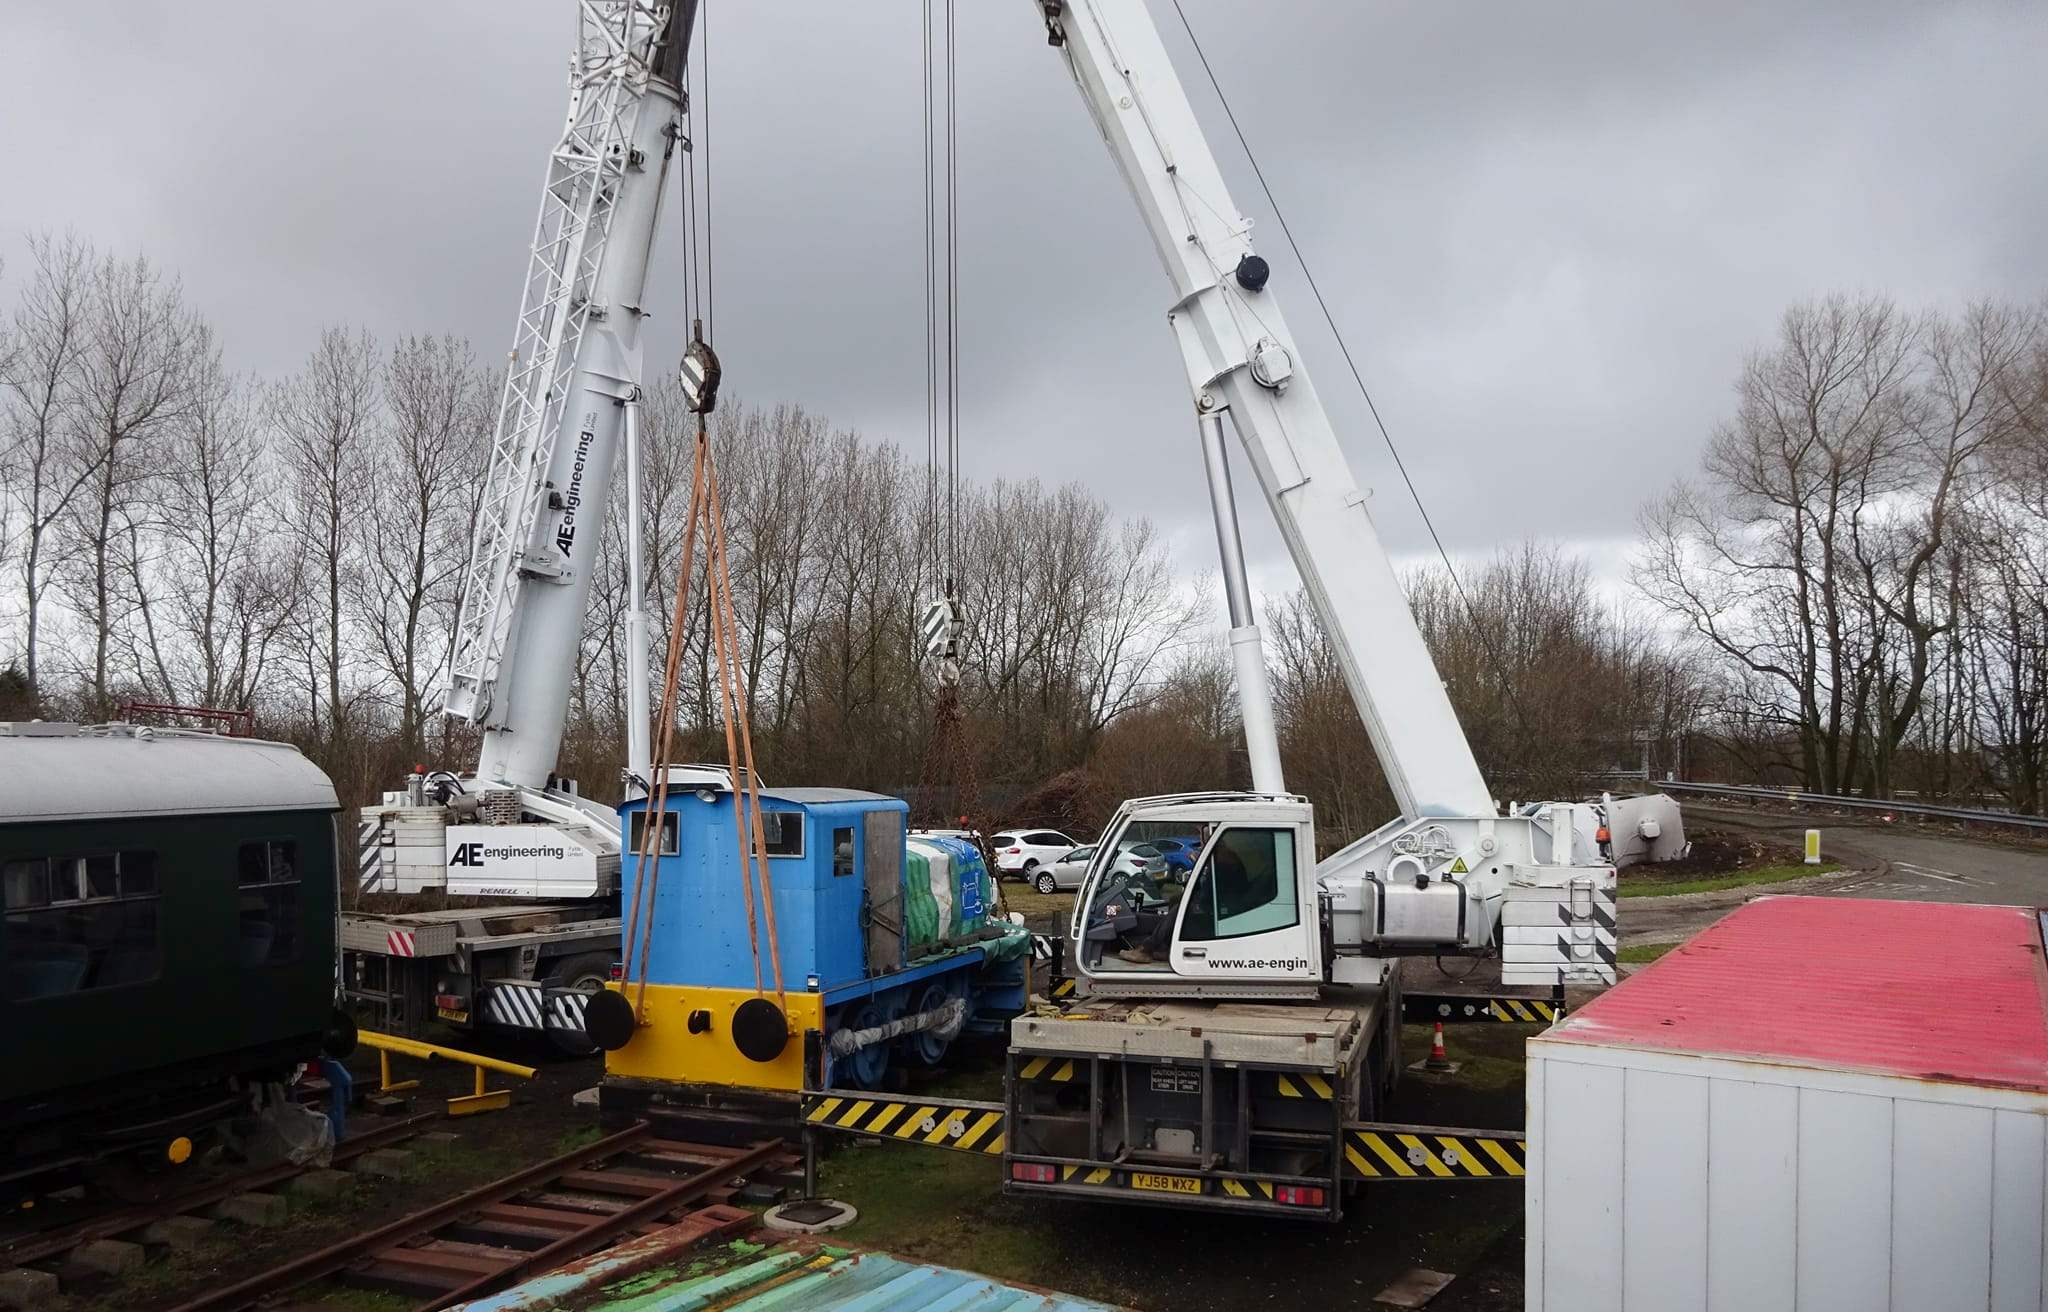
{"x": 268, "y": 874}
{"x": 782, "y": 833}
{"x": 80, "y": 922}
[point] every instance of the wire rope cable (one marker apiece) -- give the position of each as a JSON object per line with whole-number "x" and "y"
{"x": 1344, "y": 349}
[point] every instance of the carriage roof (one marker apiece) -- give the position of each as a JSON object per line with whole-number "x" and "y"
{"x": 51, "y": 772}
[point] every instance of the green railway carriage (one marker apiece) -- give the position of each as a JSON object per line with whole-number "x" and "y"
{"x": 167, "y": 937}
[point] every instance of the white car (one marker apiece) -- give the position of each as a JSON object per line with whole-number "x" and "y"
{"x": 1067, "y": 873}
{"x": 1022, "y": 851}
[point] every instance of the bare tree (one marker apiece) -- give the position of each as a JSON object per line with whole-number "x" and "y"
{"x": 135, "y": 371}
{"x": 422, "y": 510}
{"x": 326, "y": 417}
{"x": 1758, "y": 558}
{"x": 45, "y": 463}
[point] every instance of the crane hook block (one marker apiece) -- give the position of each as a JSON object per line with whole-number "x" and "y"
{"x": 698, "y": 373}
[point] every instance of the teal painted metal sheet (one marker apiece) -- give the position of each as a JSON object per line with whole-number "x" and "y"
{"x": 825, "y": 1280}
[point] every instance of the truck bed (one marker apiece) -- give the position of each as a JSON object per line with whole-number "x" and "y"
{"x": 1322, "y": 1035}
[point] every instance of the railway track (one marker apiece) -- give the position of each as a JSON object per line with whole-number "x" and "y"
{"x": 537, "y": 1219}
{"x": 53, "y": 1245}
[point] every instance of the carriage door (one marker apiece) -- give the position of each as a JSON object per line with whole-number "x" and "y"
{"x": 1243, "y": 916}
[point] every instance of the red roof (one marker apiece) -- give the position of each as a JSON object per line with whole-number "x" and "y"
{"x": 1925, "y": 989}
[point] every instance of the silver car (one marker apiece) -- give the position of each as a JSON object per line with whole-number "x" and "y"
{"x": 1064, "y": 874}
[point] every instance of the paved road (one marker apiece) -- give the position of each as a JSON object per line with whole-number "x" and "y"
{"x": 1907, "y": 865}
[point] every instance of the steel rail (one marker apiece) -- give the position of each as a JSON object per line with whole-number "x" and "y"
{"x": 609, "y": 1228}
{"x": 328, "y": 1260}
{"x": 37, "y": 1247}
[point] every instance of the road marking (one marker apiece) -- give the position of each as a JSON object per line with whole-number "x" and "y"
{"x": 1932, "y": 873}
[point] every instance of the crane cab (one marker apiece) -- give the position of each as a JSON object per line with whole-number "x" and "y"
{"x": 1238, "y": 916}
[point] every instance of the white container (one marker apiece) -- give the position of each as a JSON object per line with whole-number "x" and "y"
{"x": 1817, "y": 1104}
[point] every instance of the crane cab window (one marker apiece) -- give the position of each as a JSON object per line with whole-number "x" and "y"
{"x": 267, "y": 877}
{"x": 76, "y": 923}
{"x": 1245, "y": 885}
{"x": 842, "y": 852}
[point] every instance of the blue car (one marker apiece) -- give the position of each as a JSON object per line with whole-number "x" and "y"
{"x": 1179, "y": 853}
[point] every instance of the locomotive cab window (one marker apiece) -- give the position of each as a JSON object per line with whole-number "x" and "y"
{"x": 782, "y": 833}
{"x": 76, "y": 923}
{"x": 671, "y": 836}
{"x": 267, "y": 878}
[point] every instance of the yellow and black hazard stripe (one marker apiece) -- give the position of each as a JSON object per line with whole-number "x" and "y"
{"x": 1087, "y": 1175}
{"x": 1062, "y": 988}
{"x": 1306, "y": 1086}
{"x": 1388, "y": 1152}
{"x": 972, "y": 1127}
{"x": 1055, "y": 1070}
{"x": 1427, "y": 1008}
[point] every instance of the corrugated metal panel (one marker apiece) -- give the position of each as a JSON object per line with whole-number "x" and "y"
{"x": 832, "y": 1281}
{"x": 1922, "y": 989}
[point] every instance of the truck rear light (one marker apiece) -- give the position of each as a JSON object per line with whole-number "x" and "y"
{"x": 1299, "y": 1195}
{"x": 448, "y": 1000}
{"x": 618, "y": 971}
{"x": 1032, "y": 1172}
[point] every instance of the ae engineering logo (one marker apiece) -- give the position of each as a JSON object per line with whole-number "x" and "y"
{"x": 475, "y": 854}
{"x": 565, "y": 534}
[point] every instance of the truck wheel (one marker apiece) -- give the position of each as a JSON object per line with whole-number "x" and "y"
{"x": 1045, "y": 883}
{"x": 587, "y": 974}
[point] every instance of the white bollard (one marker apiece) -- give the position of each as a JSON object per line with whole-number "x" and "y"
{"x": 1813, "y": 847}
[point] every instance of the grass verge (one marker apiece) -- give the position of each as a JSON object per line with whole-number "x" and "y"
{"x": 1638, "y": 887}
{"x": 1643, "y": 953}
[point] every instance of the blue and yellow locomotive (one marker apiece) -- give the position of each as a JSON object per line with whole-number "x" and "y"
{"x": 887, "y": 944}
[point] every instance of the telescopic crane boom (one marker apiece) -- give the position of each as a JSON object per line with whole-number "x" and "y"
{"x": 1450, "y": 874}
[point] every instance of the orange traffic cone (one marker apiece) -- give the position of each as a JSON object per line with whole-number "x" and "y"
{"x": 1439, "y": 1060}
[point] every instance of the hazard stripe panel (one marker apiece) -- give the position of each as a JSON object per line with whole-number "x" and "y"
{"x": 963, "y": 1127}
{"x": 1304, "y": 1086}
{"x": 1056, "y": 1070}
{"x": 1420, "y": 1153}
{"x": 1063, "y": 988}
{"x": 1425, "y": 1008}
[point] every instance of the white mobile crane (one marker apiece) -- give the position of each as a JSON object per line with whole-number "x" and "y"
{"x": 1451, "y": 872}
{"x": 1230, "y": 1047}
{"x": 571, "y": 402}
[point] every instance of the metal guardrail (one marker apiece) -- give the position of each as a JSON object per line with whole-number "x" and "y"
{"x": 1973, "y": 815}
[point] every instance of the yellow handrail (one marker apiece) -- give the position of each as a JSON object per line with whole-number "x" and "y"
{"x": 482, "y": 1100}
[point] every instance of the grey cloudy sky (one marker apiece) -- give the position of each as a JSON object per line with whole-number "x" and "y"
{"x": 1548, "y": 231}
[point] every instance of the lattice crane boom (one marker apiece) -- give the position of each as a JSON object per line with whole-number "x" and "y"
{"x": 575, "y": 365}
